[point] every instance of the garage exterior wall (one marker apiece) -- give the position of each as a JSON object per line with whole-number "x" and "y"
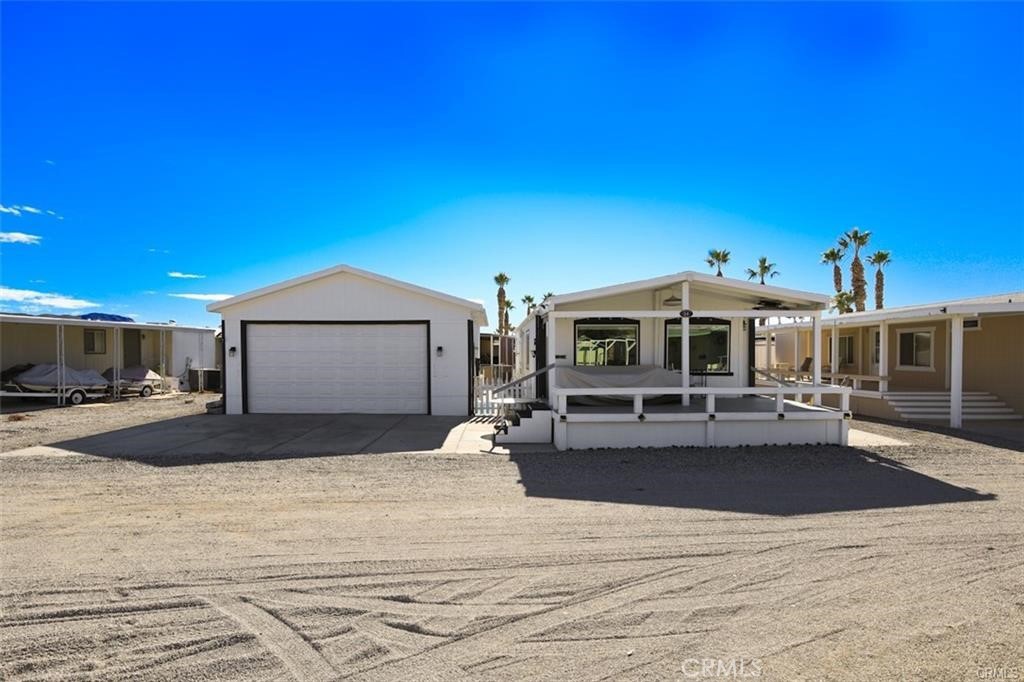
{"x": 347, "y": 297}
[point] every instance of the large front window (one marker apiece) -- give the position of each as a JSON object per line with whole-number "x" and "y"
{"x": 845, "y": 349}
{"x": 612, "y": 343}
{"x": 709, "y": 345}
{"x": 915, "y": 349}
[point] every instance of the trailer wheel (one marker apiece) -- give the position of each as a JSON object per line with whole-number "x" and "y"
{"x": 76, "y": 397}
{"x": 146, "y": 391}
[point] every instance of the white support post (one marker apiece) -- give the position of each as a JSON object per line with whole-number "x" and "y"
{"x": 816, "y": 345}
{"x": 949, "y": 354}
{"x": 796, "y": 360}
{"x": 61, "y": 377}
{"x": 796, "y": 349}
{"x": 834, "y": 359}
{"x": 883, "y": 356}
{"x": 709, "y": 428}
{"x": 118, "y": 360}
{"x": 163, "y": 361}
{"x": 956, "y": 373}
{"x": 770, "y": 342}
{"x": 638, "y": 404}
{"x": 684, "y": 342}
{"x": 552, "y": 327}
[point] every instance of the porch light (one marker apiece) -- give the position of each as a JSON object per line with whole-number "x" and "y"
{"x": 672, "y": 300}
{"x": 440, "y": 351}
{"x": 232, "y": 351}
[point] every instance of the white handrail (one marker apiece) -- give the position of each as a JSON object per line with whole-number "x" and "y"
{"x": 520, "y": 380}
{"x": 718, "y": 390}
{"x": 561, "y": 395}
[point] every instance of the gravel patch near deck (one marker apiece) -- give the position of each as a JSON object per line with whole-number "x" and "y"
{"x": 876, "y": 562}
{"x": 24, "y": 423}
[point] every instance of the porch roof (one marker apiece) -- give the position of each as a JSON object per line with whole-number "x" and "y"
{"x": 15, "y": 318}
{"x": 747, "y": 293}
{"x": 992, "y": 305}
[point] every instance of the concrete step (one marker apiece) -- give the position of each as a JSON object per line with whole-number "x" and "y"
{"x": 973, "y": 417}
{"x": 535, "y": 428}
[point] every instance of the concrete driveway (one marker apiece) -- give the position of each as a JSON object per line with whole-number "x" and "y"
{"x": 210, "y": 438}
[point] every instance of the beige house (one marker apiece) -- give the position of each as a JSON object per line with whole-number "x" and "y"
{"x": 100, "y": 344}
{"x": 953, "y": 360}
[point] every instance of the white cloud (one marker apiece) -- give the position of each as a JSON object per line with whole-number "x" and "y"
{"x": 49, "y": 162}
{"x": 157, "y": 250}
{"x": 184, "y": 275}
{"x": 17, "y": 210}
{"x": 19, "y": 238}
{"x": 38, "y": 298}
{"x": 37, "y": 281}
{"x": 149, "y": 292}
{"x": 203, "y": 297}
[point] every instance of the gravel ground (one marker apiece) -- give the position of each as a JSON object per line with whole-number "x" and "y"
{"x": 24, "y": 423}
{"x": 896, "y": 562}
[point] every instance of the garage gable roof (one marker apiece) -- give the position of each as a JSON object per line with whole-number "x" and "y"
{"x": 477, "y": 309}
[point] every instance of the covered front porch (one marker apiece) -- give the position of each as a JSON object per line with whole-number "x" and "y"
{"x": 670, "y": 362}
{"x": 951, "y": 362}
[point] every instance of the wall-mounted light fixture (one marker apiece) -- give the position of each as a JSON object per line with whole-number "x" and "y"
{"x": 232, "y": 351}
{"x": 672, "y": 300}
{"x": 440, "y": 351}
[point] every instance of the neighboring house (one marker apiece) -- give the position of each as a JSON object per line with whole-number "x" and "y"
{"x": 497, "y": 356}
{"x": 662, "y": 362}
{"x": 347, "y": 340}
{"x": 101, "y": 344}
{"x": 951, "y": 361}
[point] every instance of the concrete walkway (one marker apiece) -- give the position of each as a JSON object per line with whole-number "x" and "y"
{"x": 206, "y": 438}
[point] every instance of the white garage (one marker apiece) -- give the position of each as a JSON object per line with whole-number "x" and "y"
{"x": 344, "y": 340}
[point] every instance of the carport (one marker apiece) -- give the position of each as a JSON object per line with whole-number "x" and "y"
{"x": 72, "y": 342}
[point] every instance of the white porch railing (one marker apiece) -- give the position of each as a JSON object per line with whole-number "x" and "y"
{"x": 798, "y": 411}
{"x": 486, "y": 403}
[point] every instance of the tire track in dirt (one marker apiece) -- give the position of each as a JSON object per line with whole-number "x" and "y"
{"x": 503, "y": 637}
{"x": 298, "y": 655}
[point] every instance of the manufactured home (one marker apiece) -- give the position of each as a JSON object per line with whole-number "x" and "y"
{"x": 949, "y": 361}
{"x": 667, "y": 361}
{"x": 344, "y": 340}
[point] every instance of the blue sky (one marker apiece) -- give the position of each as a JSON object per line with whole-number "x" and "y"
{"x": 569, "y": 145}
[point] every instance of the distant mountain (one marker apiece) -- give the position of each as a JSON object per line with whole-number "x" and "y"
{"x": 105, "y": 317}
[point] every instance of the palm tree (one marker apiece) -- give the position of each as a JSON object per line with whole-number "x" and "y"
{"x": 764, "y": 269}
{"x": 834, "y": 256}
{"x": 507, "y": 327}
{"x": 547, "y": 296}
{"x": 879, "y": 259}
{"x": 528, "y": 302}
{"x": 843, "y": 302}
{"x": 857, "y": 240}
{"x": 716, "y": 259}
{"x": 501, "y": 279}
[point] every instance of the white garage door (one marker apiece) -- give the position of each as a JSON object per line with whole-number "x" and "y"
{"x": 362, "y": 368}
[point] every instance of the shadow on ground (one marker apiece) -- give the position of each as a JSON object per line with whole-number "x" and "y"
{"x": 211, "y": 439}
{"x": 1008, "y": 435}
{"x": 779, "y": 481}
